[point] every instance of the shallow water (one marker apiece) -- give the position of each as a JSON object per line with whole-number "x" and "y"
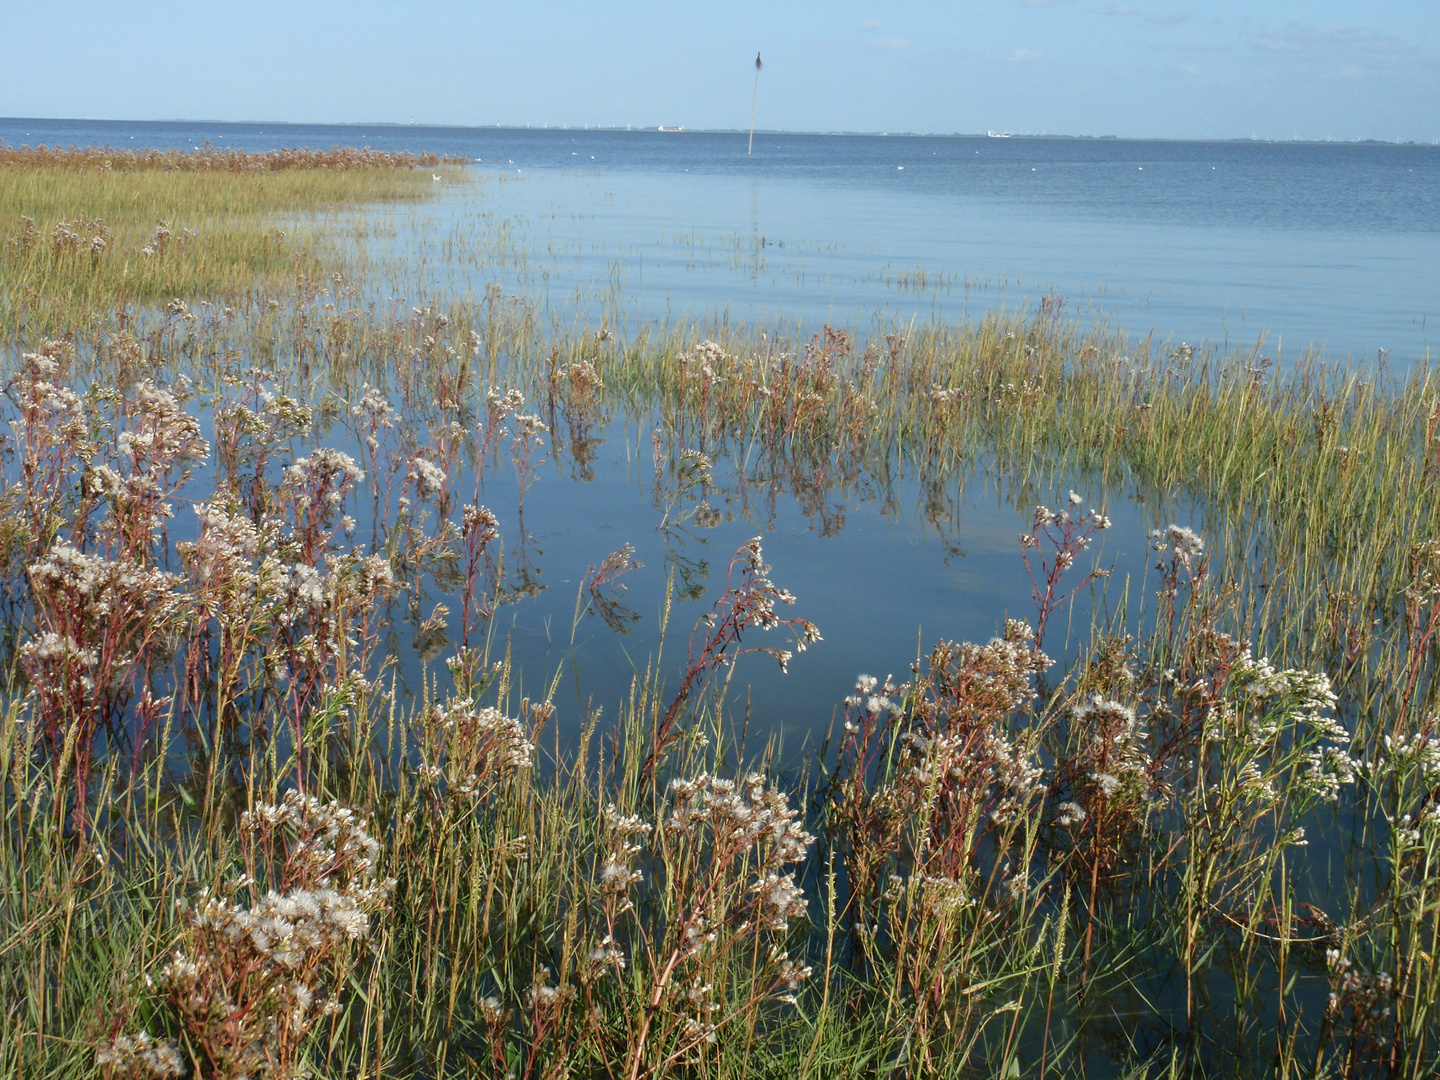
{"x": 873, "y": 564}
{"x": 1335, "y": 246}
{"x": 886, "y": 560}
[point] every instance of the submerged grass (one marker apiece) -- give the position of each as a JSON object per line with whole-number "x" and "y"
{"x": 1202, "y": 843}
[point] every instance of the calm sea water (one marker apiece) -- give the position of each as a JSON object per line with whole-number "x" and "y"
{"x": 1333, "y": 245}
{"x": 1329, "y": 245}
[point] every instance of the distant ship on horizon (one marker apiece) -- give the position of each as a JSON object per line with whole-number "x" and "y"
{"x": 671, "y": 130}
{"x": 998, "y": 134}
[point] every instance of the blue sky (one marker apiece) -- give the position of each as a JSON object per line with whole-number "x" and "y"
{"x": 1144, "y": 68}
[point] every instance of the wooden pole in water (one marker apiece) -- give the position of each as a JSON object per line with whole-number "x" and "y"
{"x": 753, "y": 100}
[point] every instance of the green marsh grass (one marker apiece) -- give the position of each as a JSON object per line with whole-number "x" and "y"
{"x": 85, "y": 232}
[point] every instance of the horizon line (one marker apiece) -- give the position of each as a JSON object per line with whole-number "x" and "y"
{"x": 641, "y": 129}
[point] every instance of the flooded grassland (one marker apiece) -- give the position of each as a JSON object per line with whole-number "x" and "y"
{"x": 403, "y": 676}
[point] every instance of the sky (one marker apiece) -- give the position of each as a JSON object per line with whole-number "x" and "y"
{"x": 1274, "y": 69}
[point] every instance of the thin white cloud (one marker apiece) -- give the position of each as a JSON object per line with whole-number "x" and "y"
{"x": 1025, "y": 56}
{"x": 1041, "y": 3}
{"x": 1297, "y": 39}
{"x": 890, "y": 44}
{"x": 1171, "y": 18}
{"x": 871, "y": 26}
{"x": 1344, "y": 51}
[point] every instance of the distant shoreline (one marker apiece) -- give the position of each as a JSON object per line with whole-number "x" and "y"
{"x": 654, "y": 128}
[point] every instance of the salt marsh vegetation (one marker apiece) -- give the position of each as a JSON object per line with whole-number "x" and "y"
{"x": 1191, "y": 831}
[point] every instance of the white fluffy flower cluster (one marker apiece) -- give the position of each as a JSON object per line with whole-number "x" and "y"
{"x": 1089, "y": 522}
{"x": 707, "y": 361}
{"x": 529, "y": 427}
{"x": 1179, "y": 542}
{"x": 1401, "y": 753}
{"x": 762, "y": 591}
{"x": 781, "y": 900}
{"x": 1301, "y": 701}
{"x": 139, "y": 1057}
{"x": 1307, "y": 695}
{"x": 618, "y": 871}
{"x": 874, "y": 700}
{"x": 58, "y": 659}
{"x": 374, "y": 410}
{"x": 1326, "y": 770}
{"x": 286, "y": 929}
{"x": 303, "y": 588}
{"x": 328, "y": 473}
{"x": 508, "y": 401}
{"x": 137, "y": 496}
{"x": 1115, "y": 748}
{"x": 754, "y": 601}
{"x": 738, "y": 816}
{"x": 159, "y": 432}
{"x": 947, "y": 395}
{"x": 49, "y": 413}
{"x": 606, "y": 956}
{"x": 992, "y": 679}
{"x": 698, "y": 998}
{"x": 937, "y": 895}
{"x": 300, "y": 593}
{"x": 473, "y": 747}
{"x": 331, "y": 840}
{"x": 251, "y": 980}
{"x": 101, "y": 587}
{"x": 429, "y": 478}
{"x": 748, "y": 833}
{"x": 225, "y": 550}
{"x": 585, "y": 382}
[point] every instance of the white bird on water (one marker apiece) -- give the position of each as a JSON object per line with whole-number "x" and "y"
{"x": 435, "y": 177}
